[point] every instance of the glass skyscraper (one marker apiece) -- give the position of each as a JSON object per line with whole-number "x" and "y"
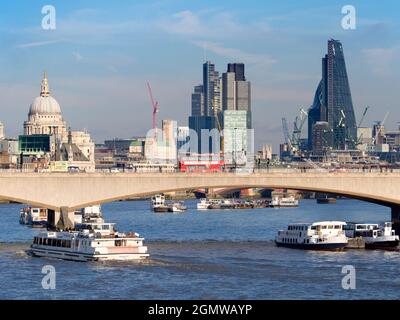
{"x": 238, "y": 69}
{"x": 332, "y": 101}
{"x": 211, "y": 87}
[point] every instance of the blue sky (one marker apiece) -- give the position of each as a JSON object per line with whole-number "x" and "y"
{"x": 102, "y": 53}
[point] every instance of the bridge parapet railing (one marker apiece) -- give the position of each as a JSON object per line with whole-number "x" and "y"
{"x": 238, "y": 171}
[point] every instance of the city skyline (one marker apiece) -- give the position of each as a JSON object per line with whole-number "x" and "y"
{"x": 99, "y": 76}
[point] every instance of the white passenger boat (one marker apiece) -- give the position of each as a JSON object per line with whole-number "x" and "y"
{"x": 89, "y": 242}
{"x": 205, "y": 203}
{"x": 284, "y": 202}
{"x": 35, "y": 217}
{"x": 158, "y": 203}
{"x": 92, "y": 214}
{"x": 324, "y": 235}
{"x": 374, "y": 235}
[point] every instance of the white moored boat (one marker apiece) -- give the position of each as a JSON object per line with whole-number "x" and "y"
{"x": 324, "y": 235}
{"x": 158, "y": 203}
{"x": 35, "y": 217}
{"x": 89, "y": 214}
{"x": 205, "y": 204}
{"x": 374, "y": 235}
{"x": 284, "y": 202}
{"x": 89, "y": 242}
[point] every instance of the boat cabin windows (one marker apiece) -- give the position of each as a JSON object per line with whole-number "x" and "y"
{"x": 52, "y": 242}
{"x": 96, "y": 226}
{"x": 297, "y": 228}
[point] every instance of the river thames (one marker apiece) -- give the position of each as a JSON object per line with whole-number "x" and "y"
{"x": 205, "y": 255}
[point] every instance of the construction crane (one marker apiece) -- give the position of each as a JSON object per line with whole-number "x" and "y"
{"x": 360, "y": 138}
{"x": 363, "y": 116}
{"x": 293, "y": 141}
{"x": 381, "y": 124}
{"x": 154, "y": 105}
{"x": 342, "y": 119}
{"x": 297, "y": 127}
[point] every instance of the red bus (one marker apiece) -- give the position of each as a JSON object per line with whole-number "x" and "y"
{"x": 186, "y": 165}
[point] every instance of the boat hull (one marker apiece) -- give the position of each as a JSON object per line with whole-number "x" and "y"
{"x": 74, "y": 256}
{"x": 176, "y": 210}
{"x": 317, "y": 246}
{"x": 284, "y": 206}
{"x": 386, "y": 245}
{"x": 326, "y": 200}
{"x": 160, "y": 209}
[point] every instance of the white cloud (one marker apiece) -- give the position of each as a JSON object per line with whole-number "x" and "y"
{"x": 38, "y": 43}
{"x": 77, "y": 56}
{"x": 185, "y": 22}
{"x": 213, "y": 25}
{"x": 381, "y": 60}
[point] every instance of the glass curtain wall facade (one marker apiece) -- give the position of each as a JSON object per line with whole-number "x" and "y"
{"x": 333, "y": 101}
{"x": 235, "y": 136}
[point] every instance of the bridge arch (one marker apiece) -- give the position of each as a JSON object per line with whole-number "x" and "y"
{"x": 56, "y": 190}
{"x": 353, "y": 195}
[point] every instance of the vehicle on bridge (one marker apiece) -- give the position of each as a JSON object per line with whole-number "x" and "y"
{"x": 324, "y": 235}
{"x": 201, "y": 165}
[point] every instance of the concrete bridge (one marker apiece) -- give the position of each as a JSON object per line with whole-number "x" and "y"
{"x": 69, "y": 191}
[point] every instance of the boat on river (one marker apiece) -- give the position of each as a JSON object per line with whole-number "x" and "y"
{"x": 89, "y": 214}
{"x": 323, "y": 235}
{"x": 373, "y": 235}
{"x": 89, "y": 242}
{"x": 205, "y": 203}
{"x": 158, "y": 203}
{"x": 326, "y": 200}
{"x": 278, "y": 202}
{"x": 35, "y": 217}
{"x": 177, "y": 207}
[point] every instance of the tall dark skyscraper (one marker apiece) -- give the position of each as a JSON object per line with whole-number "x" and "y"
{"x": 332, "y": 101}
{"x": 206, "y": 103}
{"x": 238, "y": 69}
{"x": 236, "y": 91}
{"x": 211, "y": 87}
{"x": 198, "y": 101}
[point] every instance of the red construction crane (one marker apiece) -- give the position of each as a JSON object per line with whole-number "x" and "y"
{"x": 154, "y": 104}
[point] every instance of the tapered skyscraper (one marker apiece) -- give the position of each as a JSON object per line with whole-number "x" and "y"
{"x": 333, "y": 102}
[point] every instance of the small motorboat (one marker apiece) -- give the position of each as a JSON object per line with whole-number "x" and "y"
{"x": 177, "y": 207}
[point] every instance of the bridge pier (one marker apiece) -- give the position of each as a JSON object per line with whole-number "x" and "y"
{"x": 396, "y": 219}
{"x": 61, "y": 220}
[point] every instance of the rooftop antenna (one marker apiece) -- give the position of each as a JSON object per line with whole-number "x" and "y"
{"x": 204, "y": 52}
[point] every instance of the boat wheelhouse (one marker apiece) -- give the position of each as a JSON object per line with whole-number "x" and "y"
{"x": 324, "y": 235}
{"x": 89, "y": 214}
